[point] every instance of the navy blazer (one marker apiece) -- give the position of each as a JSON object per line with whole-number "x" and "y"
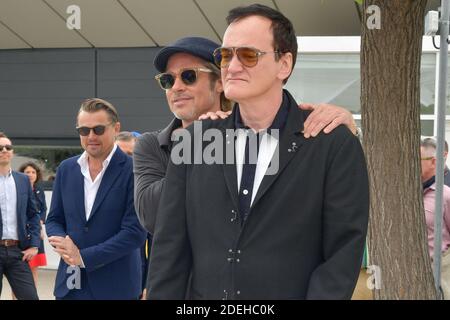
{"x": 110, "y": 240}
{"x": 28, "y": 225}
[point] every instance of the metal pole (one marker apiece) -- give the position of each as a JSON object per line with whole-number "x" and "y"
{"x": 442, "y": 102}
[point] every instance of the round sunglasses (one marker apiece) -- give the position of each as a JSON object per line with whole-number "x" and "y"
{"x": 248, "y": 56}
{"x": 189, "y": 76}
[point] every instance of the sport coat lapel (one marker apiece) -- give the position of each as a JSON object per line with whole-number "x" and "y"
{"x": 289, "y": 145}
{"x": 111, "y": 174}
{"x": 229, "y": 169}
{"x": 78, "y": 188}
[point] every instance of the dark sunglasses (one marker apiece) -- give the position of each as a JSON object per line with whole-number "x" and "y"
{"x": 189, "y": 76}
{"x": 247, "y": 56}
{"x": 98, "y": 130}
{"x": 8, "y": 147}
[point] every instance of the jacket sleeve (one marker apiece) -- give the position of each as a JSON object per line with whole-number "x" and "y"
{"x": 42, "y": 204}
{"x": 149, "y": 172}
{"x": 55, "y": 224}
{"x": 130, "y": 237}
{"x": 33, "y": 223}
{"x": 345, "y": 218}
{"x": 171, "y": 257}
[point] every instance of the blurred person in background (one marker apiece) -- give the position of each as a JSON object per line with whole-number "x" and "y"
{"x": 126, "y": 141}
{"x": 428, "y": 165}
{"x": 19, "y": 226}
{"x": 34, "y": 173}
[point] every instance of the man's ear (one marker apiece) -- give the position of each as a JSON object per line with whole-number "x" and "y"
{"x": 219, "y": 86}
{"x": 286, "y": 61}
{"x": 117, "y": 127}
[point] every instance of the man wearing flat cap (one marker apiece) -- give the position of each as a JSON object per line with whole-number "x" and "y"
{"x": 271, "y": 215}
{"x": 193, "y": 87}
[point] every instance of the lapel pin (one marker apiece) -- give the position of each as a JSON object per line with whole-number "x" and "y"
{"x": 293, "y": 148}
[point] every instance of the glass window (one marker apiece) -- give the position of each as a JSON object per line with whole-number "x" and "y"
{"x": 329, "y": 78}
{"x": 47, "y": 157}
{"x": 427, "y": 83}
{"x": 335, "y": 78}
{"x": 447, "y": 111}
{"x": 426, "y": 127}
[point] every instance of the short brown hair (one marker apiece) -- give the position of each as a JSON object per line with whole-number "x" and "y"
{"x": 3, "y": 135}
{"x": 35, "y": 167}
{"x": 97, "y": 104}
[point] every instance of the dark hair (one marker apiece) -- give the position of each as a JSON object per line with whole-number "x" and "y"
{"x": 35, "y": 167}
{"x": 284, "y": 38}
{"x": 97, "y": 104}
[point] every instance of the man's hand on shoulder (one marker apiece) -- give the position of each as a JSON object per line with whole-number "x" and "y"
{"x": 215, "y": 115}
{"x": 326, "y": 117}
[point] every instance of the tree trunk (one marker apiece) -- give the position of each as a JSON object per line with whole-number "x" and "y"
{"x": 390, "y": 101}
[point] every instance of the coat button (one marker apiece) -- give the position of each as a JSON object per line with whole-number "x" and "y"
{"x": 238, "y": 292}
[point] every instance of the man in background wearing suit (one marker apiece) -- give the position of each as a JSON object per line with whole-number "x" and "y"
{"x": 20, "y": 228}
{"x": 236, "y": 230}
{"x": 126, "y": 141}
{"x": 92, "y": 223}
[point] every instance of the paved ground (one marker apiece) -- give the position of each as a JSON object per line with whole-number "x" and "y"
{"x": 362, "y": 292}
{"x": 45, "y": 285}
{"x": 47, "y": 281}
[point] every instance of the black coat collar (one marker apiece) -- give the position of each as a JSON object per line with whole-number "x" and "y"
{"x": 164, "y": 137}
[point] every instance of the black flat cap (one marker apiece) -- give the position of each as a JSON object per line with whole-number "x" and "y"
{"x": 196, "y": 46}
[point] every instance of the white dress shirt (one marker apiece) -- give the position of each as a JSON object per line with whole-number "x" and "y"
{"x": 8, "y": 206}
{"x": 91, "y": 187}
{"x": 267, "y": 148}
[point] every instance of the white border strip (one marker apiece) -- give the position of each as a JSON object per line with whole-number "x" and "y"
{"x": 346, "y": 44}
